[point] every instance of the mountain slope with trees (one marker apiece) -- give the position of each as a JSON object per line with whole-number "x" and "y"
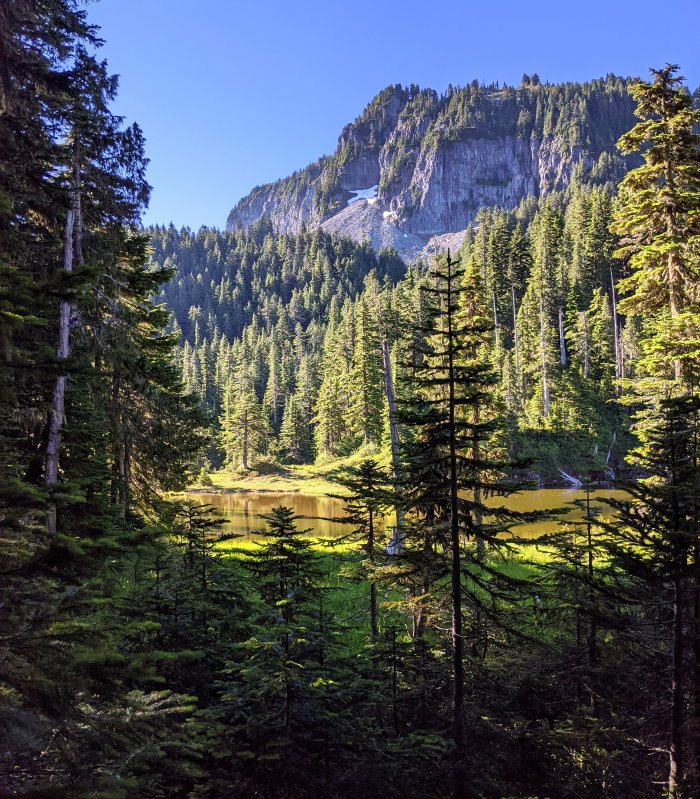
{"x": 281, "y": 333}
{"x": 416, "y": 164}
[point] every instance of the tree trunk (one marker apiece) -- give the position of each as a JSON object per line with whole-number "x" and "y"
{"x": 397, "y": 544}
{"x": 695, "y": 628}
{"x": 695, "y": 697}
{"x": 543, "y": 348}
{"x": 394, "y": 683}
{"x": 676, "y": 751}
{"x": 592, "y": 623}
{"x": 616, "y": 333}
{"x": 675, "y": 262}
{"x": 126, "y": 502}
{"x": 5, "y": 84}
{"x": 246, "y": 433}
{"x": 480, "y": 543}
{"x": 516, "y": 343}
{"x": 496, "y": 331}
{"x": 562, "y": 339}
{"x": 72, "y": 253}
{"x": 456, "y": 568}
{"x": 374, "y": 628}
{"x": 622, "y": 359}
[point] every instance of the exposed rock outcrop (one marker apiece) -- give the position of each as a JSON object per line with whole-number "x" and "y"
{"x": 438, "y": 160}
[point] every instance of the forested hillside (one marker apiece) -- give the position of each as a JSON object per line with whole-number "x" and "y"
{"x": 282, "y": 333}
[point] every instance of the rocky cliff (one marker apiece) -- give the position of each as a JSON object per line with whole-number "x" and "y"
{"x": 417, "y": 165}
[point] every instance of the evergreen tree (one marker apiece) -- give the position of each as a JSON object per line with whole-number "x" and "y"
{"x": 296, "y": 444}
{"x": 74, "y": 282}
{"x": 365, "y": 508}
{"x": 244, "y": 427}
{"x": 447, "y": 470}
{"x": 653, "y": 545}
{"x": 658, "y": 217}
{"x": 365, "y": 411}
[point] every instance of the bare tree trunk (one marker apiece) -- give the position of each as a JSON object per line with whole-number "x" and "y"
{"x": 516, "y": 343}
{"x": 71, "y": 255}
{"x": 622, "y": 358}
{"x": 397, "y": 544}
{"x": 616, "y": 333}
{"x": 612, "y": 444}
{"x": 543, "y": 348}
{"x": 562, "y": 340}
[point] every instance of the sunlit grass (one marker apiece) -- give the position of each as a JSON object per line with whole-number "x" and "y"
{"x": 345, "y": 600}
{"x": 313, "y": 479}
{"x": 525, "y": 564}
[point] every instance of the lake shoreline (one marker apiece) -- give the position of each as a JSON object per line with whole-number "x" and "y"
{"x": 317, "y": 479}
{"x": 319, "y": 486}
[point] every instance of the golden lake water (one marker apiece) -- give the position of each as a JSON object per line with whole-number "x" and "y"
{"x": 241, "y": 511}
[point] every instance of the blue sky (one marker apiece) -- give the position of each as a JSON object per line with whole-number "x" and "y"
{"x": 235, "y": 94}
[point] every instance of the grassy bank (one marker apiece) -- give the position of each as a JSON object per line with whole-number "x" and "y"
{"x": 312, "y": 479}
{"x": 316, "y": 479}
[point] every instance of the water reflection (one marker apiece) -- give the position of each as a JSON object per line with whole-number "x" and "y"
{"x": 241, "y": 512}
{"x": 543, "y": 499}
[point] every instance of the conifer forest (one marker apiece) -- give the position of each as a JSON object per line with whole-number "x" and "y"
{"x": 429, "y": 650}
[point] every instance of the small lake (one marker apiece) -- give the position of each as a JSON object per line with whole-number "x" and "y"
{"x": 241, "y": 511}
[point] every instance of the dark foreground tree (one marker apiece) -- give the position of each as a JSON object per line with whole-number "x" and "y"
{"x": 450, "y": 470}
{"x": 93, "y": 419}
{"x": 653, "y": 545}
{"x": 659, "y": 222}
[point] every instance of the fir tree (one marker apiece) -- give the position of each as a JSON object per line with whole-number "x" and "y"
{"x": 447, "y": 471}
{"x": 658, "y": 218}
{"x": 365, "y": 412}
{"x": 365, "y": 508}
{"x": 244, "y": 426}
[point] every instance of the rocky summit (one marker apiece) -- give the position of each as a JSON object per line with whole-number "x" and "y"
{"x": 414, "y": 169}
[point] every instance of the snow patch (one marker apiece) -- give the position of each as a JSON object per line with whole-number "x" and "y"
{"x": 387, "y": 214}
{"x": 369, "y": 194}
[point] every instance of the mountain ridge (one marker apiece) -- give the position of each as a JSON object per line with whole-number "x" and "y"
{"x": 435, "y": 160}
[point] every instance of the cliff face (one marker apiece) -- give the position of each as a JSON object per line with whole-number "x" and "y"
{"x": 287, "y": 203}
{"x": 416, "y": 164}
